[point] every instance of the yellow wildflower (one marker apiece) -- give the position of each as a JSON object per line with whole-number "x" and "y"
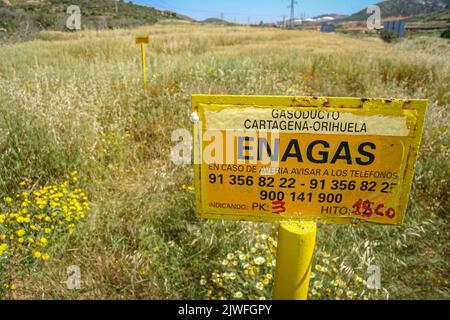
{"x": 238, "y": 295}
{"x": 259, "y": 261}
{"x": 259, "y": 286}
{"x": 43, "y": 242}
{"x": 318, "y": 284}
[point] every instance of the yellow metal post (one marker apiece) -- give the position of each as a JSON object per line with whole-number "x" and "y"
{"x": 143, "y": 40}
{"x": 144, "y": 70}
{"x": 296, "y": 241}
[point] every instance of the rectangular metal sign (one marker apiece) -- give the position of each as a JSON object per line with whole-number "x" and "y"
{"x": 338, "y": 160}
{"x": 142, "y": 39}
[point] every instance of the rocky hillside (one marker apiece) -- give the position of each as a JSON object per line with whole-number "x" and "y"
{"x": 404, "y": 8}
{"x": 24, "y": 17}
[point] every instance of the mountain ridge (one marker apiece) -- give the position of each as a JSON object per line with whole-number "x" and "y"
{"x": 402, "y": 8}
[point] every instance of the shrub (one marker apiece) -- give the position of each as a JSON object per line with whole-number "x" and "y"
{"x": 445, "y": 34}
{"x": 46, "y": 20}
{"x": 8, "y": 19}
{"x": 388, "y": 36}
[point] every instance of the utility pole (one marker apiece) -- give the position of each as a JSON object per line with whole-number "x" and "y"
{"x": 248, "y": 20}
{"x": 221, "y": 16}
{"x": 284, "y": 22}
{"x": 291, "y": 21}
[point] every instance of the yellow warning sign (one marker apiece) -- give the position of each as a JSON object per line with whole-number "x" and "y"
{"x": 142, "y": 39}
{"x": 338, "y": 160}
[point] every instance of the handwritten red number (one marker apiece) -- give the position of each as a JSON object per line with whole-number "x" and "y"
{"x": 357, "y": 207}
{"x": 367, "y": 210}
{"x": 390, "y": 213}
{"x": 378, "y": 211}
{"x": 278, "y": 207}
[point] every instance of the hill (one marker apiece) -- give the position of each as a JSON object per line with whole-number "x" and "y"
{"x": 215, "y": 21}
{"x": 436, "y": 16}
{"x": 25, "y": 17}
{"x": 335, "y": 16}
{"x": 403, "y": 8}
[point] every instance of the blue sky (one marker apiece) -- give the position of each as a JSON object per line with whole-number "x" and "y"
{"x": 257, "y": 10}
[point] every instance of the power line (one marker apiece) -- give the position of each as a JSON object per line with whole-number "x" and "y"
{"x": 165, "y": 6}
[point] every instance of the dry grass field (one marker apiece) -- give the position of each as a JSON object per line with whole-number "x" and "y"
{"x": 74, "y": 102}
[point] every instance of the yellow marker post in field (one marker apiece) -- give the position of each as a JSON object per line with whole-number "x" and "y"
{"x": 300, "y": 159}
{"x": 296, "y": 241}
{"x": 143, "y": 40}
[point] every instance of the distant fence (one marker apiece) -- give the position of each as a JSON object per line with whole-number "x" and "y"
{"x": 327, "y": 27}
{"x": 397, "y": 27}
